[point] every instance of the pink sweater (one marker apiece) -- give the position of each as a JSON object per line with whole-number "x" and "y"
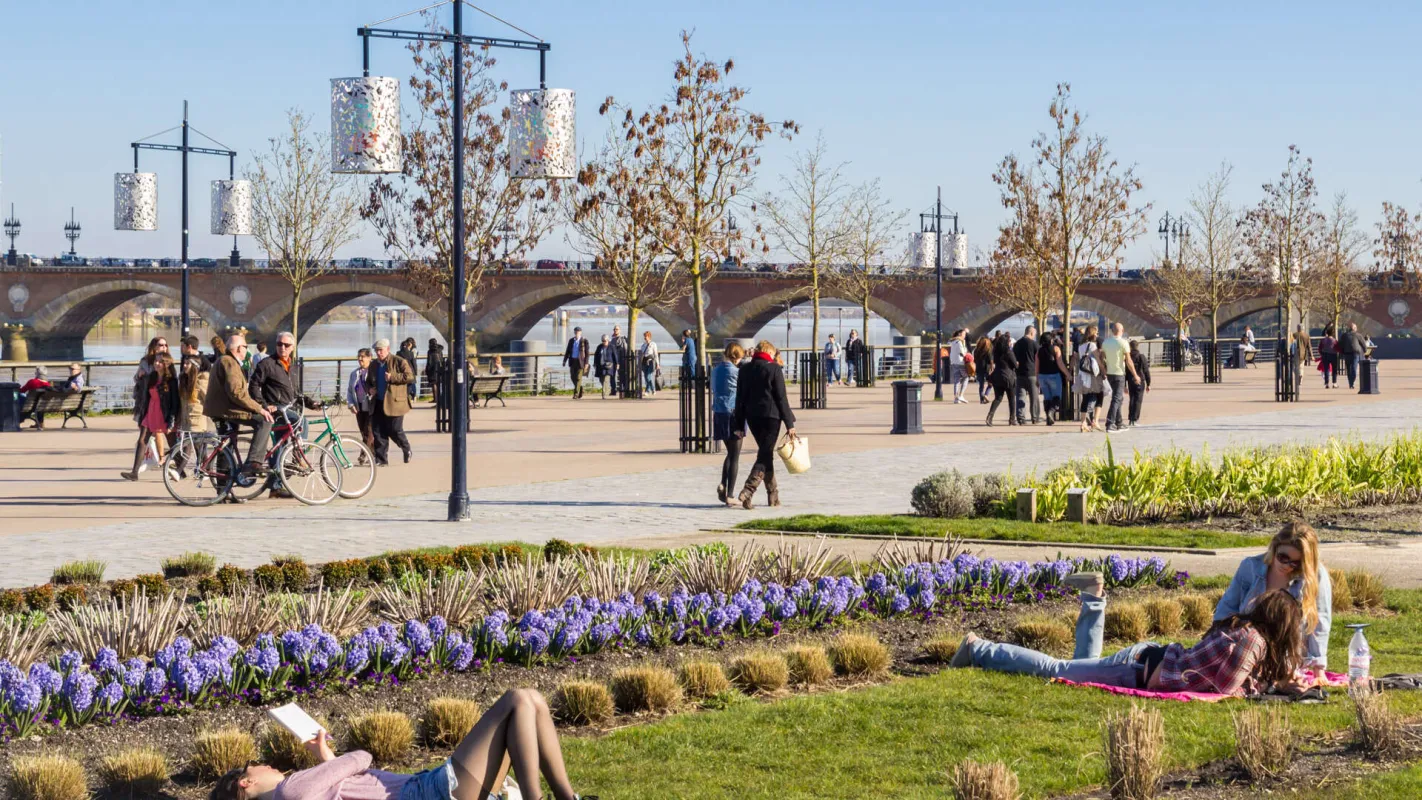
{"x": 348, "y": 777}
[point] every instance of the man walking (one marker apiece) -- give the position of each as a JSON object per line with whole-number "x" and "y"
{"x": 620, "y": 366}
{"x": 688, "y": 355}
{"x": 1350, "y": 347}
{"x": 833, "y": 353}
{"x": 1026, "y": 353}
{"x": 1140, "y": 383}
{"x": 854, "y": 349}
{"x": 575, "y": 358}
{"x": 602, "y": 365}
{"x": 229, "y": 399}
{"x": 389, "y": 379}
{"x": 1116, "y": 351}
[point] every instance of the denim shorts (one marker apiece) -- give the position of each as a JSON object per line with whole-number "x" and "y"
{"x": 434, "y": 784}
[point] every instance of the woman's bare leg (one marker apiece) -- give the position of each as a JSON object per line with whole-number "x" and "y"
{"x": 517, "y": 731}
{"x": 481, "y": 761}
{"x": 550, "y": 753}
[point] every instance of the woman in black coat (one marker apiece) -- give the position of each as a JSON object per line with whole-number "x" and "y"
{"x": 1004, "y": 378}
{"x": 761, "y": 405}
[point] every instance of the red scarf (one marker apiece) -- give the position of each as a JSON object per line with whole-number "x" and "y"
{"x": 765, "y": 356}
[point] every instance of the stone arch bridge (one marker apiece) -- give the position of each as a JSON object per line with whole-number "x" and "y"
{"x": 45, "y": 312}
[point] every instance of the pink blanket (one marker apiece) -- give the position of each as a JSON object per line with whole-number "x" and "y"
{"x": 1328, "y": 679}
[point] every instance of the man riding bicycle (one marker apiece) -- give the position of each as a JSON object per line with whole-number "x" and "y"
{"x": 229, "y": 399}
{"x": 273, "y": 383}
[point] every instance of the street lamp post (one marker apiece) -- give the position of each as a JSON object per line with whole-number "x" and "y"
{"x": 932, "y": 222}
{"x": 1172, "y": 228}
{"x": 12, "y": 230}
{"x": 71, "y": 231}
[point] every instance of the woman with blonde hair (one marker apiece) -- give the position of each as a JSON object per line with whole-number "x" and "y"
{"x": 1290, "y": 563}
{"x": 762, "y": 406}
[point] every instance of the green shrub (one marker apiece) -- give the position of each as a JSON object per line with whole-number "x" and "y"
{"x": 190, "y": 565}
{"x": 339, "y": 574}
{"x": 71, "y": 597}
{"x": 84, "y": 572}
{"x": 645, "y": 689}
{"x": 232, "y": 578}
{"x": 583, "y": 703}
{"x": 426, "y": 563}
{"x": 809, "y": 665}
{"x": 943, "y": 494}
{"x": 294, "y": 576}
{"x": 988, "y": 490}
{"x": 587, "y": 550}
{"x": 558, "y": 548}
{"x": 1199, "y": 613}
{"x": 217, "y": 752}
{"x": 268, "y": 578}
{"x": 472, "y": 556}
{"x": 378, "y": 569}
{"x": 1127, "y": 622}
{"x": 941, "y": 649}
{"x": 974, "y": 781}
{"x": 122, "y": 588}
{"x": 282, "y": 559}
{"x": 1042, "y": 633}
{"x": 511, "y": 554}
{"x": 386, "y": 735}
{"x": 12, "y": 601}
{"x": 209, "y": 586}
{"x": 759, "y": 673}
{"x": 702, "y": 679}
{"x": 152, "y": 584}
{"x": 446, "y": 720}
{"x": 1342, "y": 594}
{"x": 138, "y": 772}
{"x": 859, "y": 656}
{"x": 40, "y": 598}
{"x": 1167, "y": 617}
{"x": 49, "y": 777}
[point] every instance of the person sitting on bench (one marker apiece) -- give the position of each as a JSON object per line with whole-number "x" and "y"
{"x": 38, "y": 383}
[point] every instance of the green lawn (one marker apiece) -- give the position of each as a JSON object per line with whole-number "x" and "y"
{"x": 1008, "y": 530}
{"x": 897, "y": 740}
{"x": 1400, "y": 784}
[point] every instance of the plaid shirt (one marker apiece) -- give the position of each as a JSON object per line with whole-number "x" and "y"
{"x": 1222, "y": 662}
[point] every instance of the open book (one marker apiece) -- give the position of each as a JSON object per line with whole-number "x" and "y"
{"x": 295, "y": 719}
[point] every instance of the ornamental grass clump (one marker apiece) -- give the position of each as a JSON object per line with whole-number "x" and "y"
{"x": 446, "y": 720}
{"x": 386, "y": 735}
{"x": 856, "y": 655}
{"x": 1342, "y": 594}
{"x": 1264, "y": 742}
{"x": 1167, "y": 617}
{"x": 282, "y": 750}
{"x": 1135, "y": 749}
{"x": 46, "y": 778}
{"x": 87, "y": 573}
{"x": 583, "y": 703}
{"x": 217, "y": 752}
{"x": 759, "y": 673}
{"x": 702, "y": 679}
{"x": 1127, "y": 622}
{"x": 138, "y": 772}
{"x": 189, "y": 565}
{"x": 975, "y": 781}
{"x": 651, "y": 689}
{"x": 941, "y": 649}
{"x": 1198, "y": 613}
{"x": 1378, "y": 729}
{"x": 1367, "y": 590}
{"x": 809, "y": 665}
{"x": 1042, "y": 633}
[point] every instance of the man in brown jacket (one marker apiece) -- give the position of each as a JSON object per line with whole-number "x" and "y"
{"x": 389, "y": 379}
{"x": 229, "y": 399}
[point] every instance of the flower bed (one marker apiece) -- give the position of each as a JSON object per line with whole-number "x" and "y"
{"x": 69, "y": 692}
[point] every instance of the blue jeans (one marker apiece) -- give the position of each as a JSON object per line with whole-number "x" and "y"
{"x": 1051, "y": 386}
{"x": 1351, "y": 360}
{"x": 832, "y": 370}
{"x": 649, "y": 380}
{"x": 1086, "y": 665}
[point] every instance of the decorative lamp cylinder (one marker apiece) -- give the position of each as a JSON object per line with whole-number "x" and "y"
{"x": 541, "y": 134}
{"x": 232, "y": 208}
{"x": 957, "y": 254}
{"x": 365, "y": 125}
{"x": 924, "y": 250}
{"x": 135, "y": 201}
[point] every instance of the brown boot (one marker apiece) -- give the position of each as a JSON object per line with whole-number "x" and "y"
{"x": 753, "y": 480}
{"x": 772, "y": 491}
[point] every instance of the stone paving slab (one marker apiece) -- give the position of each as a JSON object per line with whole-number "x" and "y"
{"x": 625, "y": 509}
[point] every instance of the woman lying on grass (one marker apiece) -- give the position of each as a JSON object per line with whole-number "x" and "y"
{"x": 1241, "y": 654}
{"x": 1291, "y": 563}
{"x": 517, "y": 728}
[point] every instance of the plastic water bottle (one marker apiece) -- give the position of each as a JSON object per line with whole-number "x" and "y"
{"x": 1360, "y": 657}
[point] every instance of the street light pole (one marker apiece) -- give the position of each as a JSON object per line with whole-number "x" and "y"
{"x": 459, "y": 441}
{"x": 71, "y": 231}
{"x": 933, "y": 223}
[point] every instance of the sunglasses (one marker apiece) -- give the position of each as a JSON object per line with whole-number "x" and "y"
{"x": 1291, "y": 563}
{"x": 285, "y": 344}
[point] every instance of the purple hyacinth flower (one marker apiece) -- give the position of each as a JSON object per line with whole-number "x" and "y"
{"x": 111, "y": 695}
{"x": 155, "y": 681}
{"x": 25, "y": 697}
{"x": 438, "y": 626}
{"x": 46, "y": 678}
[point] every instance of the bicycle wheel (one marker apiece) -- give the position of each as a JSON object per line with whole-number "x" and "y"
{"x": 198, "y": 471}
{"x": 358, "y": 463}
{"x": 310, "y": 472}
{"x": 246, "y": 487}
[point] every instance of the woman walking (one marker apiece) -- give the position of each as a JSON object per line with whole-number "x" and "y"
{"x": 1090, "y": 378}
{"x": 1004, "y": 379}
{"x": 1328, "y": 358}
{"x": 650, "y": 360}
{"x": 602, "y": 365}
{"x": 723, "y": 408}
{"x": 1137, "y": 382}
{"x": 159, "y": 415}
{"x": 1050, "y": 371}
{"x": 435, "y": 366}
{"x": 982, "y": 366}
{"x": 761, "y": 405}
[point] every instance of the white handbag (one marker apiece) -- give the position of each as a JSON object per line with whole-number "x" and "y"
{"x": 150, "y": 458}
{"x": 795, "y": 452}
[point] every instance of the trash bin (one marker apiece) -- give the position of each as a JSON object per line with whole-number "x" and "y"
{"x": 9, "y": 406}
{"x": 1367, "y": 376}
{"x": 908, "y": 407}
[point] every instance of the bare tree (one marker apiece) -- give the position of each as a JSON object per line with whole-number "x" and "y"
{"x": 1176, "y": 293}
{"x": 808, "y": 221}
{"x": 1399, "y": 243}
{"x": 413, "y": 211}
{"x": 1015, "y": 278}
{"x": 302, "y": 212}
{"x": 1214, "y": 247}
{"x": 871, "y": 222}
{"x": 1073, "y": 205}
{"x": 1333, "y": 282}
{"x": 703, "y": 148}
{"x": 615, "y": 216}
{"x": 1282, "y": 232}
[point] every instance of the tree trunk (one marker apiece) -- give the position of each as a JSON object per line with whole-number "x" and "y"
{"x": 815, "y": 303}
{"x": 632, "y": 313}
{"x": 699, "y": 306}
{"x": 295, "y": 319}
{"x": 865, "y": 306}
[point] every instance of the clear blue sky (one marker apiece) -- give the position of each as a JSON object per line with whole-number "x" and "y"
{"x": 915, "y": 93}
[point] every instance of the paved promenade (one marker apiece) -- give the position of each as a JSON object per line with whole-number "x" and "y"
{"x": 599, "y": 472}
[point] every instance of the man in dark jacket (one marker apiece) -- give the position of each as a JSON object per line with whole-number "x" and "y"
{"x": 1026, "y": 353}
{"x": 274, "y": 381}
{"x": 854, "y": 349}
{"x": 575, "y": 358}
{"x": 762, "y": 406}
{"x": 407, "y": 352}
{"x": 621, "y": 361}
{"x": 1350, "y": 349}
{"x": 1139, "y": 381}
{"x": 230, "y": 399}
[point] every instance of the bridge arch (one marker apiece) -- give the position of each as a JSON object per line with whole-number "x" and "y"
{"x": 514, "y": 318}
{"x": 77, "y": 311}
{"x": 981, "y": 320}
{"x": 1231, "y": 313}
{"x": 318, "y": 301}
{"x": 749, "y": 318}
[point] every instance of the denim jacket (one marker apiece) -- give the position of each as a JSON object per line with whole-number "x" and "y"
{"x": 1251, "y": 580}
{"x": 723, "y": 387}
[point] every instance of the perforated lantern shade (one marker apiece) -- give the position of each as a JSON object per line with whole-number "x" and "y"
{"x": 135, "y": 201}
{"x": 541, "y": 134}
{"x": 232, "y": 208}
{"x": 365, "y": 125}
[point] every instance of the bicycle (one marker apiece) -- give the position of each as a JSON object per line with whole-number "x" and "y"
{"x": 362, "y": 467}
{"x": 203, "y": 469}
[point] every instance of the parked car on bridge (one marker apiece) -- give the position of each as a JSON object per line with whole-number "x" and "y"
{"x": 70, "y": 260}
{"x": 361, "y": 262}
{"x": 546, "y": 263}
{"x": 114, "y": 262}
{"x": 145, "y": 262}
{"x": 30, "y": 260}
{"x": 202, "y": 262}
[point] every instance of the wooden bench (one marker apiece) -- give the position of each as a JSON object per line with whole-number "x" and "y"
{"x": 73, "y": 405}
{"x": 1249, "y": 356}
{"x": 491, "y": 386}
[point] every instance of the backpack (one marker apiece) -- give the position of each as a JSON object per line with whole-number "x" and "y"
{"x": 1087, "y": 367}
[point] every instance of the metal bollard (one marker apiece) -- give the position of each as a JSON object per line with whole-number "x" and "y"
{"x": 1027, "y": 505}
{"x": 1076, "y": 506}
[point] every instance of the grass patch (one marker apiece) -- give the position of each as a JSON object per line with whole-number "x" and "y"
{"x": 899, "y": 739}
{"x": 1401, "y": 784}
{"x": 1005, "y": 530}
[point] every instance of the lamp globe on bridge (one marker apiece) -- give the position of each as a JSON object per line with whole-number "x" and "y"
{"x": 135, "y": 201}
{"x": 365, "y": 126}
